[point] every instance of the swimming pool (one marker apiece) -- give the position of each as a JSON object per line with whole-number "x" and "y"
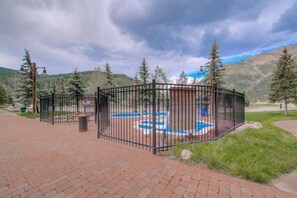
{"x": 133, "y": 115}
{"x": 147, "y": 125}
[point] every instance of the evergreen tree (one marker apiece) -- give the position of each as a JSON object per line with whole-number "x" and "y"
{"x": 59, "y": 86}
{"x": 26, "y": 79}
{"x": 54, "y": 87}
{"x": 136, "y": 80}
{"x": 284, "y": 82}
{"x": 135, "y": 93}
{"x": 3, "y": 95}
{"x": 97, "y": 80}
{"x": 144, "y": 75}
{"x": 195, "y": 82}
{"x": 75, "y": 85}
{"x": 159, "y": 75}
{"x": 144, "y": 72}
{"x": 183, "y": 79}
{"x": 62, "y": 86}
{"x": 108, "y": 78}
{"x": 12, "y": 88}
{"x": 247, "y": 101}
{"x": 216, "y": 63}
{"x": 48, "y": 87}
{"x": 44, "y": 88}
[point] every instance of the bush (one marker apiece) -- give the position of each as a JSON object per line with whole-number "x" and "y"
{"x": 247, "y": 101}
{"x": 3, "y": 95}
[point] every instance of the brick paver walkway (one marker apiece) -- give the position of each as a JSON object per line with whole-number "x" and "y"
{"x": 38, "y": 159}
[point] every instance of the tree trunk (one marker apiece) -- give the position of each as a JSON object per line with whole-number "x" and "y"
{"x": 286, "y": 107}
{"x": 77, "y": 106}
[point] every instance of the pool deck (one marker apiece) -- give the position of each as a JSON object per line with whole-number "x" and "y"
{"x": 42, "y": 160}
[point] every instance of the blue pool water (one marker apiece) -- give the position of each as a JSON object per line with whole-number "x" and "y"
{"x": 160, "y": 126}
{"x": 126, "y": 115}
{"x": 151, "y": 122}
{"x": 132, "y": 115}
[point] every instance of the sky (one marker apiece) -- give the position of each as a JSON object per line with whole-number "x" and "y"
{"x": 174, "y": 34}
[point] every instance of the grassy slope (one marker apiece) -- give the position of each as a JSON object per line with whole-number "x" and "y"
{"x": 255, "y": 154}
{"x": 254, "y": 74}
{"x": 254, "y": 80}
{"x": 118, "y": 79}
{"x": 6, "y": 73}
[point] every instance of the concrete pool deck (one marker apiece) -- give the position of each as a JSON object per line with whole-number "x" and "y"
{"x": 42, "y": 160}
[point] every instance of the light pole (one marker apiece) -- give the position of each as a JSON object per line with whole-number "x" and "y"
{"x": 34, "y": 71}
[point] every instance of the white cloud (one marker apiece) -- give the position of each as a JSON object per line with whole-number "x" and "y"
{"x": 62, "y": 35}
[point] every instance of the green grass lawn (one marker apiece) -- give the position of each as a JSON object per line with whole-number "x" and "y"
{"x": 254, "y": 154}
{"x": 30, "y": 115}
{"x": 263, "y": 105}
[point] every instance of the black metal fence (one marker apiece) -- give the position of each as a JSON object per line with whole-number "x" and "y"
{"x": 66, "y": 108}
{"x": 156, "y": 116}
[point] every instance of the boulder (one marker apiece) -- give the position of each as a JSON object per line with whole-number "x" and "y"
{"x": 186, "y": 154}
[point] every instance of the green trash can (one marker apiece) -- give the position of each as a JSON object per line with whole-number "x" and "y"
{"x": 23, "y": 109}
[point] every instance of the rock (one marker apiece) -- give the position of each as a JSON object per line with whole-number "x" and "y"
{"x": 186, "y": 154}
{"x": 253, "y": 125}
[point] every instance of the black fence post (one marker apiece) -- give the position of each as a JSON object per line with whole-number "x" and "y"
{"x": 40, "y": 112}
{"x": 243, "y": 107}
{"x": 154, "y": 115}
{"x": 225, "y": 106}
{"x": 216, "y": 110}
{"x": 98, "y": 117}
{"x": 234, "y": 109}
{"x": 53, "y": 108}
{"x": 95, "y": 102}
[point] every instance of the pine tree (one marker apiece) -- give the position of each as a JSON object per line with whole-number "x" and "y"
{"x": 43, "y": 88}
{"x": 97, "y": 80}
{"x": 3, "y": 95}
{"x": 136, "y": 80}
{"x": 144, "y": 75}
{"x": 59, "y": 86}
{"x": 284, "y": 82}
{"x": 144, "y": 72}
{"x": 135, "y": 93}
{"x": 54, "y": 88}
{"x": 159, "y": 75}
{"x": 183, "y": 79}
{"x": 62, "y": 87}
{"x": 12, "y": 88}
{"x": 216, "y": 63}
{"x": 26, "y": 83}
{"x": 108, "y": 78}
{"x": 75, "y": 85}
{"x": 194, "y": 82}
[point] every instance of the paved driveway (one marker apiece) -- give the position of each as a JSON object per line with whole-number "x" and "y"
{"x": 38, "y": 159}
{"x": 288, "y": 125}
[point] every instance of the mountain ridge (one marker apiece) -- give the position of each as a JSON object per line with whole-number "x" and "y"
{"x": 254, "y": 74}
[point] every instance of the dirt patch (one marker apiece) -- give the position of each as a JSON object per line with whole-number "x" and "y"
{"x": 250, "y": 124}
